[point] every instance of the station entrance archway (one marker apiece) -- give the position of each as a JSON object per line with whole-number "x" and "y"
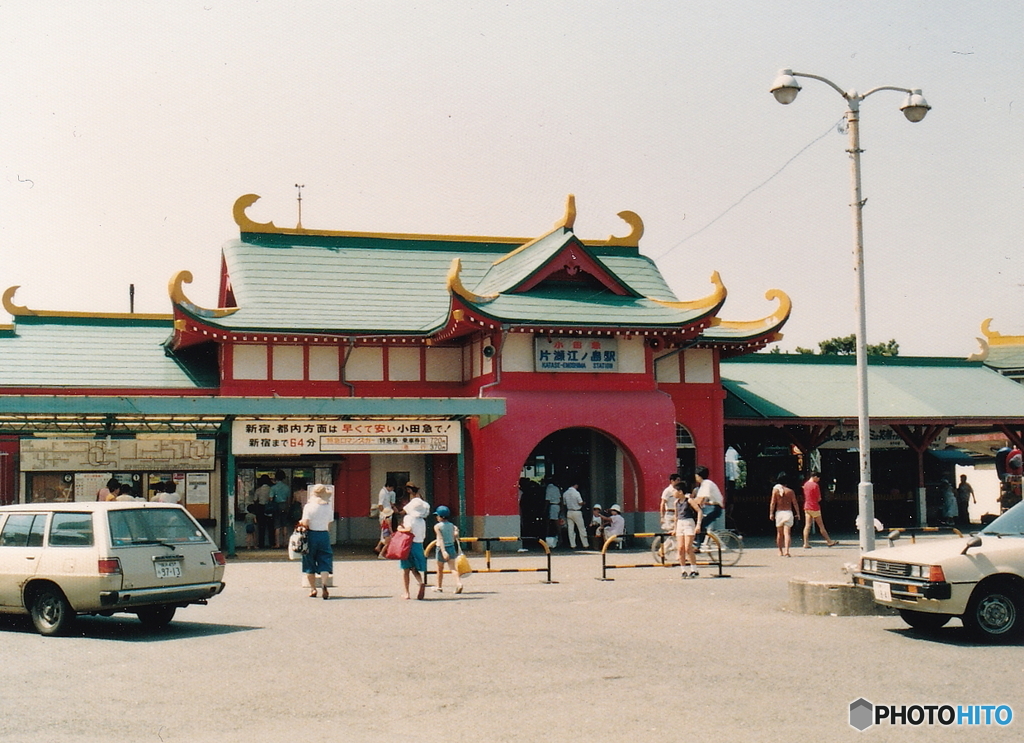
{"x": 585, "y": 457}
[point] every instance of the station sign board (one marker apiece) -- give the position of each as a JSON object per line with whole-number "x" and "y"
{"x": 293, "y": 437}
{"x": 575, "y": 354}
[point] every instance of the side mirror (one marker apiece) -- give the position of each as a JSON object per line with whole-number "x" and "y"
{"x": 974, "y": 541}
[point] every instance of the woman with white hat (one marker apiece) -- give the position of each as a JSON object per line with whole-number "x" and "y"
{"x": 317, "y": 515}
{"x": 416, "y": 511}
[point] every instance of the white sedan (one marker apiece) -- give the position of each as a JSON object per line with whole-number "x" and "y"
{"x": 978, "y": 578}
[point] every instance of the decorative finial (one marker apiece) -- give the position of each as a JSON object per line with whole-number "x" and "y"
{"x": 300, "y": 187}
{"x": 569, "y": 219}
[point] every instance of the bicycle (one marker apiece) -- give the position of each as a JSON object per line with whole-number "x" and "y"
{"x": 726, "y": 542}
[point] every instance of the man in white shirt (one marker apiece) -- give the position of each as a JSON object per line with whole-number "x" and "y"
{"x": 711, "y": 502}
{"x": 574, "y": 516}
{"x": 667, "y": 507}
{"x": 553, "y": 496}
{"x": 386, "y": 500}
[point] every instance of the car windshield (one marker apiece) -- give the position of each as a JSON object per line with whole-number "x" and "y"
{"x": 152, "y": 526}
{"x": 1011, "y": 522}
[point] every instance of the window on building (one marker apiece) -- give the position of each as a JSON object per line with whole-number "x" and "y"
{"x": 249, "y": 361}
{"x": 289, "y": 363}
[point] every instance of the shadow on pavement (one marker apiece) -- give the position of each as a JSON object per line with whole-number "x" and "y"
{"x": 126, "y": 628}
{"x": 953, "y": 636}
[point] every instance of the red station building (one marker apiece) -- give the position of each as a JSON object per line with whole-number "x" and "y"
{"x": 460, "y": 363}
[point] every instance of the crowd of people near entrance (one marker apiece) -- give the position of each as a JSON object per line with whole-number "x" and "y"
{"x": 274, "y": 509}
{"x": 564, "y": 518}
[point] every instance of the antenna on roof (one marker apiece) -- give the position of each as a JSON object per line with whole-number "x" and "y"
{"x": 300, "y": 187}
{"x": 131, "y": 298}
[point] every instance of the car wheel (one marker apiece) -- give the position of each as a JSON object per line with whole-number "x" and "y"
{"x": 993, "y": 613}
{"x": 156, "y": 617}
{"x": 51, "y": 613}
{"x": 923, "y": 620}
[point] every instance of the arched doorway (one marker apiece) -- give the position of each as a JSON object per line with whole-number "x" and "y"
{"x": 602, "y": 471}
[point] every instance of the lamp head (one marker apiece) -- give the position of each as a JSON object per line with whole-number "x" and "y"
{"x": 915, "y": 106}
{"x": 785, "y": 87}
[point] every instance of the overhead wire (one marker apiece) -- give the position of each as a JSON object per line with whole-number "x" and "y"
{"x": 763, "y": 183}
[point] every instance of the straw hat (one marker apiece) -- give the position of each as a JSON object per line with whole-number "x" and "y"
{"x": 320, "y": 493}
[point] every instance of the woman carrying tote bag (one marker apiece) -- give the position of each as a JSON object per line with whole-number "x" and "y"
{"x": 317, "y": 515}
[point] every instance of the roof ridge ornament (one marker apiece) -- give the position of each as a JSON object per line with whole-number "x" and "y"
{"x": 244, "y": 223}
{"x": 12, "y": 308}
{"x": 713, "y": 300}
{"x": 455, "y": 285}
{"x": 568, "y": 220}
{"x": 177, "y": 294}
{"x": 19, "y": 311}
{"x": 636, "y": 231}
{"x": 780, "y": 315}
{"x": 995, "y": 338}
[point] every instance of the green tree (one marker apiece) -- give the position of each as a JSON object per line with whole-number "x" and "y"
{"x": 847, "y": 346}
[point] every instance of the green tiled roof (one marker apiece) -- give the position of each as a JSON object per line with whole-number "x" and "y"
{"x": 347, "y": 284}
{"x": 782, "y": 386}
{"x": 80, "y": 352}
{"x": 1005, "y": 357}
{"x": 569, "y": 305}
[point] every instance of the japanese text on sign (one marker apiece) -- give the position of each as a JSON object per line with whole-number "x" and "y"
{"x": 340, "y": 437}
{"x": 576, "y": 354}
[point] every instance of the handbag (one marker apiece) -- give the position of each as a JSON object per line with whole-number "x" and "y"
{"x": 298, "y": 544}
{"x": 462, "y": 564}
{"x": 400, "y": 545}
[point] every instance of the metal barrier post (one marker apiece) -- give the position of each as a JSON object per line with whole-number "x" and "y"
{"x": 605, "y": 567}
{"x": 487, "y": 556}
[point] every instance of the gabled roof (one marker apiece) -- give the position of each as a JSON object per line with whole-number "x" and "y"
{"x": 787, "y": 388}
{"x": 305, "y": 281}
{"x": 559, "y": 255}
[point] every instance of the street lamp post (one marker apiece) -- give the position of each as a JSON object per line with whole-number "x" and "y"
{"x": 914, "y": 108}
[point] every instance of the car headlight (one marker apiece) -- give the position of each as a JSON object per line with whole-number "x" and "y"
{"x": 932, "y": 573}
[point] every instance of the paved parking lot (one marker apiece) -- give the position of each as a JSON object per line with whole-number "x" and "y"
{"x": 645, "y": 656}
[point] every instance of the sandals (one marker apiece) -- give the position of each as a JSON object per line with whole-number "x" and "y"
{"x": 326, "y": 595}
{"x": 312, "y": 594}
{"x": 458, "y": 589}
{"x": 422, "y": 591}
{"x": 833, "y": 543}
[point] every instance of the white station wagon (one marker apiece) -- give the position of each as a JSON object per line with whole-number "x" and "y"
{"x": 59, "y": 560}
{"x": 978, "y": 578}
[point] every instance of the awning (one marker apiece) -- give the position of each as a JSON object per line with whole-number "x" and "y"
{"x": 955, "y": 456}
{"x": 64, "y": 405}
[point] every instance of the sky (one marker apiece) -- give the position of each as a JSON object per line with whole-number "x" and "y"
{"x": 128, "y": 130}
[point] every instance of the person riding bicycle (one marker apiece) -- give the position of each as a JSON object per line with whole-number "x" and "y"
{"x": 711, "y": 503}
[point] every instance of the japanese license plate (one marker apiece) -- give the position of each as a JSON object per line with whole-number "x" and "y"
{"x": 167, "y": 568}
{"x": 883, "y": 591}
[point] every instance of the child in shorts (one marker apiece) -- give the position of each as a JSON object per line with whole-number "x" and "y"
{"x": 446, "y": 538}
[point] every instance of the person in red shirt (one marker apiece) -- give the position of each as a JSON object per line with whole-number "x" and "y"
{"x": 812, "y": 510}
